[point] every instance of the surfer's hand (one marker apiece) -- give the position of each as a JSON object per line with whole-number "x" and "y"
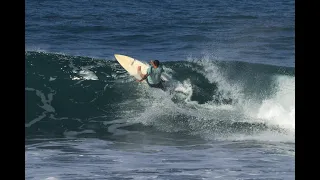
{"x": 139, "y": 68}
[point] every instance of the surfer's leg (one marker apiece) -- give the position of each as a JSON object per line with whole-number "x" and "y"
{"x": 150, "y": 85}
{"x": 161, "y": 86}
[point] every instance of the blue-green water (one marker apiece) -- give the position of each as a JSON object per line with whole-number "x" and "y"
{"x": 229, "y": 112}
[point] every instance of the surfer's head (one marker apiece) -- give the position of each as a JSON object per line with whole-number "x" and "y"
{"x": 155, "y": 63}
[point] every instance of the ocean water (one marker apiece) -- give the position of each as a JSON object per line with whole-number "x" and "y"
{"x": 229, "y": 108}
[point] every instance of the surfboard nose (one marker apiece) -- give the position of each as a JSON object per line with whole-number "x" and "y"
{"x": 117, "y": 55}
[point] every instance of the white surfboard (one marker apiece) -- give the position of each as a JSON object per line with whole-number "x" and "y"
{"x": 131, "y": 65}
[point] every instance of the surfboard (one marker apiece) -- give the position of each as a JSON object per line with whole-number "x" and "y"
{"x": 131, "y": 65}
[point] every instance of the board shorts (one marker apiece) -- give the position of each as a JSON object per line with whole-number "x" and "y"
{"x": 159, "y": 85}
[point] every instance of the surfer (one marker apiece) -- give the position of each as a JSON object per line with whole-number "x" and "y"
{"x": 153, "y": 76}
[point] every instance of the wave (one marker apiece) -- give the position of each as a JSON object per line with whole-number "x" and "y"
{"x": 76, "y": 95}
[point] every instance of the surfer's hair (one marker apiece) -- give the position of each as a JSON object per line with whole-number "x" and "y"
{"x": 156, "y": 63}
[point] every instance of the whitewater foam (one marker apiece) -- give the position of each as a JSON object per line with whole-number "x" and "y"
{"x": 84, "y": 73}
{"x": 280, "y": 108}
{"x": 47, "y": 107}
{"x": 202, "y": 119}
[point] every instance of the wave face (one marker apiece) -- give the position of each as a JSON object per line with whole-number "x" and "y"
{"x": 82, "y": 96}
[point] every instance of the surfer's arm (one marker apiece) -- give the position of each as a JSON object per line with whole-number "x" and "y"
{"x": 143, "y": 77}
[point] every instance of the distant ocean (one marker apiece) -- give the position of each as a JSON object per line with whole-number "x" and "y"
{"x": 229, "y": 112}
